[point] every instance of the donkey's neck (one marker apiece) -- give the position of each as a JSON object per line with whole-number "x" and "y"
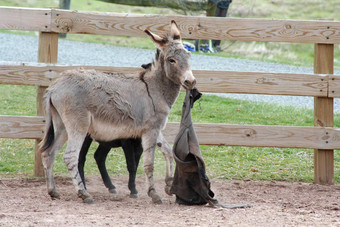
{"x": 160, "y": 86}
{"x": 168, "y": 88}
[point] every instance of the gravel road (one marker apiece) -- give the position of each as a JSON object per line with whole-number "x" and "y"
{"x": 21, "y": 48}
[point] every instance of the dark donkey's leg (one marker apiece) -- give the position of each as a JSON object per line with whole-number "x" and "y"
{"x": 133, "y": 150}
{"x": 82, "y": 157}
{"x": 100, "y": 155}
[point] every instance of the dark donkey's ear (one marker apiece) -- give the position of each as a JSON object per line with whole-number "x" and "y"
{"x": 175, "y": 33}
{"x": 159, "y": 41}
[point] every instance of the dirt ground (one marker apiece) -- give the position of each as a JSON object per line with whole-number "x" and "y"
{"x": 25, "y": 202}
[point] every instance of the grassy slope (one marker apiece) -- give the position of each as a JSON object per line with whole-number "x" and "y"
{"x": 16, "y": 156}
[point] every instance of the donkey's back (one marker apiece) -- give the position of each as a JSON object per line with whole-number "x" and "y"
{"x": 106, "y": 105}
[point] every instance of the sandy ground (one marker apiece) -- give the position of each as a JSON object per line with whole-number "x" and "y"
{"x": 25, "y": 202}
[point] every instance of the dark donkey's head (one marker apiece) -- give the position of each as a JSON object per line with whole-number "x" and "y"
{"x": 176, "y": 59}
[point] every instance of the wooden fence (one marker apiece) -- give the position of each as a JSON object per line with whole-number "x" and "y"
{"x": 322, "y": 85}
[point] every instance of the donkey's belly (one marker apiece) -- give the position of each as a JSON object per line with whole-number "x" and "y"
{"x": 104, "y": 131}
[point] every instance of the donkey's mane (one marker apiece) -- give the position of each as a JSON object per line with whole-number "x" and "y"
{"x": 148, "y": 67}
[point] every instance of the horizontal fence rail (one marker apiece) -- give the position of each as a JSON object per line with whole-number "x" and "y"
{"x": 262, "y": 135}
{"x": 40, "y": 74}
{"x": 25, "y": 19}
{"x": 322, "y": 85}
{"x": 20, "y": 127}
{"x": 265, "y": 30}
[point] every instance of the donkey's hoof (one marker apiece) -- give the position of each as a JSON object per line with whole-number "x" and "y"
{"x": 54, "y": 194}
{"x": 168, "y": 185}
{"x": 167, "y": 190}
{"x": 134, "y": 196}
{"x": 88, "y": 200}
{"x": 155, "y": 198}
{"x": 113, "y": 191}
{"x": 157, "y": 201}
{"x": 54, "y": 197}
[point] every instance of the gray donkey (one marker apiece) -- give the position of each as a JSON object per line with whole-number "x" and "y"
{"x": 116, "y": 106}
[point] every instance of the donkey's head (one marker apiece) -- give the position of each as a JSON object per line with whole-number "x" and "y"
{"x": 176, "y": 58}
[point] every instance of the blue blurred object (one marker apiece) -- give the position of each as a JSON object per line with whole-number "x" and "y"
{"x": 189, "y": 46}
{"x": 204, "y": 46}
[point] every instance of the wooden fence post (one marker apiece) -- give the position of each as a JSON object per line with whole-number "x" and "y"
{"x": 47, "y": 53}
{"x": 323, "y": 115}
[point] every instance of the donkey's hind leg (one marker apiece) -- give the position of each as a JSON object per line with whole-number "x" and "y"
{"x": 71, "y": 156}
{"x": 48, "y": 156}
{"x": 100, "y": 156}
{"x": 133, "y": 150}
{"x": 82, "y": 157}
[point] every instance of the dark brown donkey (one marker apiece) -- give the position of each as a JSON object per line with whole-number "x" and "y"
{"x": 132, "y": 150}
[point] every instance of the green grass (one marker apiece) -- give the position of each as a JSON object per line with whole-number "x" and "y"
{"x": 17, "y": 156}
{"x": 17, "y": 100}
{"x": 215, "y": 109}
{"x": 299, "y": 54}
{"x": 259, "y": 163}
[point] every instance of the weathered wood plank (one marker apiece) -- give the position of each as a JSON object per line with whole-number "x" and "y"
{"x": 262, "y": 83}
{"x": 27, "y": 19}
{"x": 208, "y": 81}
{"x": 334, "y": 86}
{"x": 262, "y": 136}
{"x": 191, "y": 27}
{"x": 34, "y": 74}
{"x": 197, "y": 27}
{"x": 21, "y": 127}
{"x": 41, "y": 74}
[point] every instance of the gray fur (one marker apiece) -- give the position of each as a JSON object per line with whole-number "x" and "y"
{"x": 116, "y": 106}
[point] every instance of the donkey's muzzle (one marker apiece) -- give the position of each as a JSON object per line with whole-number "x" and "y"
{"x": 189, "y": 80}
{"x": 190, "y": 84}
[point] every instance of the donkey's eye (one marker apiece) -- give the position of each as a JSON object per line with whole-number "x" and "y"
{"x": 172, "y": 61}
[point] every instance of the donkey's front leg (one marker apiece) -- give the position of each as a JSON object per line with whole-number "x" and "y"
{"x": 149, "y": 144}
{"x": 169, "y": 158}
{"x": 71, "y": 156}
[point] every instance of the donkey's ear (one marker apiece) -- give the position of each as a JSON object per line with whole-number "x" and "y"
{"x": 156, "y": 38}
{"x": 175, "y": 33}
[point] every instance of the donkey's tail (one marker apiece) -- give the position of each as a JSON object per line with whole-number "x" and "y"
{"x": 48, "y": 138}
